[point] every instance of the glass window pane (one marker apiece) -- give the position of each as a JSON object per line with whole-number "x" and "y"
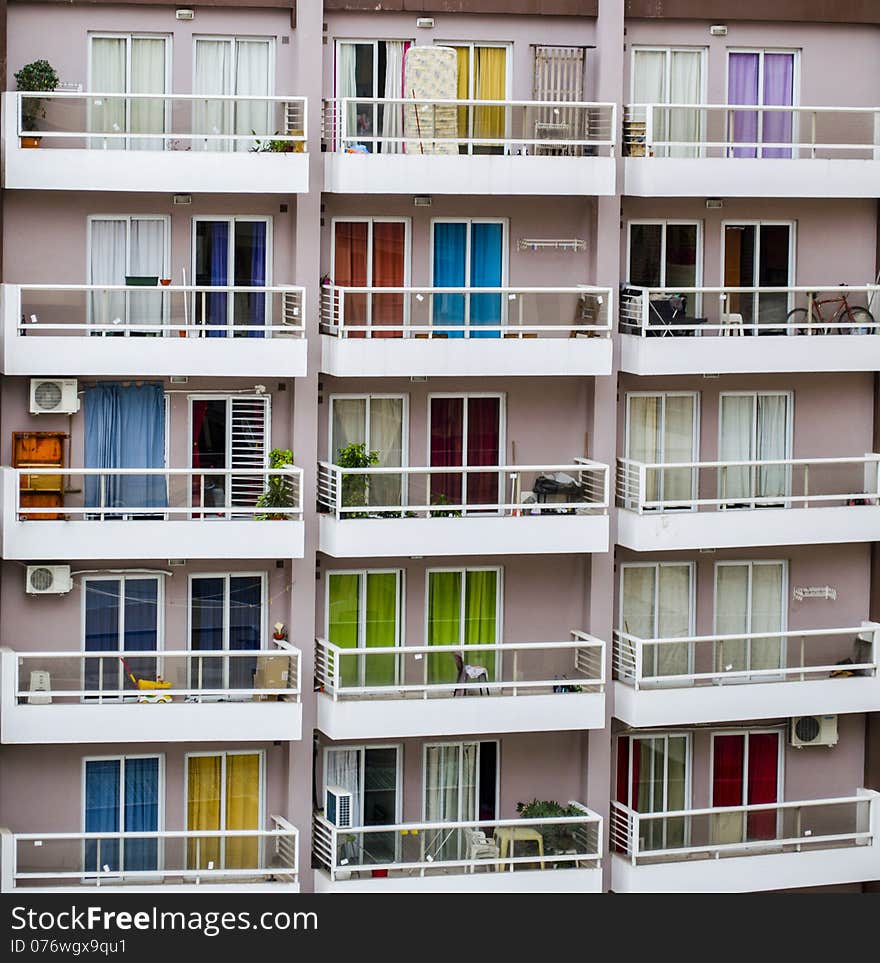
{"x": 681, "y": 256}
{"x": 644, "y": 255}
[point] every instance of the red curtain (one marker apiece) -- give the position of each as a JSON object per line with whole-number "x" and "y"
{"x": 388, "y": 266}
{"x": 763, "y": 782}
{"x": 350, "y": 269}
{"x": 727, "y": 770}
{"x": 484, "y": 416}
{"x": 447, "y": 430}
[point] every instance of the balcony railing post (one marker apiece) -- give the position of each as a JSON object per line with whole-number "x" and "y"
{"x": 646, "y": 308}
{"x": 649, "y": 130}
{"x": 340, "y": 479}
{"x": 643, "y": 474}
{"x": 638, "y": 654}
{"x": 340, "y": 308}
{"x": 337, "y": 675}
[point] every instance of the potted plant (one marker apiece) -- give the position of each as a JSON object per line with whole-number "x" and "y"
{"x": 439, "y": 498}
{"x": 355, "y": 488}
{"x": 558, "y": 837}
{"x": 273, "y": 146}
{"x": 278, "y": 493}
{"x": 39, "y": 75}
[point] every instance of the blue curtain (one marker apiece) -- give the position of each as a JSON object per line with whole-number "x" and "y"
{"x": 257, "y": 302}
{"x": 125, "y": 428}
{"x": 102, "y": 631}
{"x": 486, "y": 259}
{"x": 141, "y": 625}
{"x": 219, "y": 258}
{"x": 450, "y": 266}
{"x": 245, "y": 627}
{"x": 141, "y": 812}
{"x": 102, "y": 814}
{"x": 206, "y": 617}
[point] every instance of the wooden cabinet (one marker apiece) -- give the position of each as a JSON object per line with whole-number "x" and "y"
{"x": 39, "y": 449}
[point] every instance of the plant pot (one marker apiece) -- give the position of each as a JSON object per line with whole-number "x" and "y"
{"x": 30, "y": 141}
{"x": 181, "y": 334}
{"x": 164, "y": 282}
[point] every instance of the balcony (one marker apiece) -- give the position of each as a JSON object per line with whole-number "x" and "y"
{"x": 200, "y": 696}
{"x": 731, "y": 152}
{"x": 676, "y": 332}
{"x": 403, "y": 691}
{"x": 185, "y": 513}
{"x": 563, "y": 856}
{"x": 171, "y": 143}
{"x": 743, "y": 504}
{"x": 401, "y": 332}
{"x": 181, "y": 861}
{"x": 84, "y": 330}
{"x": 428, "y": 511}
{"x": 740, "y": 849}
{"x": 725, "y": 678}
{"x": 456, "y": 147}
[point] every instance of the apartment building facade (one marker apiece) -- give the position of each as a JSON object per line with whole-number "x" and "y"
{"x": 443, "y": 443}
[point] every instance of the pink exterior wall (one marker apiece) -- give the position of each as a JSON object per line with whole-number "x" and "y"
{"x": 570, "y": 218}
{"x": 521, "y": 32}
{"x": 65, "y": 45}
{"x": 531, "y": 765}
{"x": 820, "y": 45}
{"x": 52, "y": 775}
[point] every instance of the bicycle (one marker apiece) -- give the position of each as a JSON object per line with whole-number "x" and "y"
{"x": 856, "y": 319}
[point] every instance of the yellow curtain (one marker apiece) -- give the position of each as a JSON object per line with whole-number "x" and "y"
{"x": 203, "y": 777}
{"x": 242, "y": 809}
{"x": 464, "y": 60}
{"x": 490, "y": 84}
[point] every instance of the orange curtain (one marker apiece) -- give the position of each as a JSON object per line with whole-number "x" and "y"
{"x": 388, "y": 272}
{"x": 350, "y": 269}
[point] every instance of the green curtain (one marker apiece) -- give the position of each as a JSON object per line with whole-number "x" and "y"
{"x": 343, "y": 628}
{"x": 444, "y": 623}
{"x": 479, "y": 617}
{"x": 381, "y": 627}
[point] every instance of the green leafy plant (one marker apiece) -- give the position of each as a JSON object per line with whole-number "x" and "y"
{"x": 279, "y": 492}
{"x": 355, "y": 488}
{"x": 439, "y": 498}
{"x": 272, "y": 146}
{"x": 39, "y": 75}
{"x": 558, "y": 837}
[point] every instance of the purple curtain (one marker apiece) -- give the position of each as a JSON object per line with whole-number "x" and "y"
{"x": 778, "y": 92}
{"x": 742, "y": 88}
{"x": 219, "y": 244}
{"x": 257, "y": 314}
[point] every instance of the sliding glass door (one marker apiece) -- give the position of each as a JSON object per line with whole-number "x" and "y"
{"x": 666, "y": 254}
{"x": 464, "y": 609}
{"x": 746, "y": 771}
{"x": 662, "y": 429}
{"x": 754, "y": 426}
{"x": 235, "y": 67}
{"x": 762, "y": 78}
{"x": 750, "y": 597}
{"x": 671, "y": 76}
{"x": 122, "y": 794}
{"x": 468, "y": 254}
{"x": 124, "y": 64}
{"x": 760, "y": 255}
{"x": 227, "y": 252}
{"x": 363, "y": 611}
{"x": 372, "y": 69}
{"x": 466, "y": 431}
{"x": 224, "y": 791}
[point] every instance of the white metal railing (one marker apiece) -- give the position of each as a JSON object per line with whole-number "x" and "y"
{"x": 721, "y": 831}
{"x": 472, "y": 491}
{"x": 184, "y": 857}
{"x": 431, "y": 312}
{"x": 748, "y": 657}
{"x": 425, "y": 671}
{"x": 742, "y": 130}
{"x": 734, "y": 311}
{"x": 160, "y": 493}
{"x": 134, "y": 676}
{"x": 172, "y": 311}
{"x": 735, "y": 484}
{"x": 407, "y": 125}
{"x": 426, "y": 848}
{"x": 209, "y": 122}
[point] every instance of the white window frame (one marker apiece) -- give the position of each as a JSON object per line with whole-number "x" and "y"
{"x": 461, "y": 743}
{"x": 368, "y": 398}
{"x": 666, "y": 222}
{"x": 360, "y": 748}
{"x": 751, "y": 565}
{"x": 757, "y": 225}
{"x": 160, "y": 814}
{"x": 795, "y": 91}
{"x": 400, "y": 626}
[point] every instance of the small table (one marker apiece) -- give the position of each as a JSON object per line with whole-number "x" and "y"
{"x": 507, "y": 835}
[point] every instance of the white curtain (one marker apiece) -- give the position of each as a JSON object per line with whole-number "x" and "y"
{"x": 450, "y": 795}
{"x": 392, "y": 116}
{"x": 107, "y": 265}
{"x": 147, "y": 77}
{"x": 107, "y": 114}
{"x": 146, "y": 257}
{"x": 386, "y": 437}
{"x": 347, "y": 87}
{"x": 767, "y": 602}
{"x": 772, "y": 437}
{"x": 652, "y": 611}
{"x": 732, "y": 615}
{"x": 252, "y": 58}
{"x": 678, "y": 446}
{"x": 349, "y": 424}
{"x": 735, "y": 444}
{"x": 344, "y": 770}
{"x": 212, "y": 76}
{"x": 649, "y": 87}
{"x": 685, "y": 87}
{"x": 645, "y": 444}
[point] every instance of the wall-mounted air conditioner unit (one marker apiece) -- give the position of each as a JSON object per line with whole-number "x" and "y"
{"x": 813, "y": 731}
{"x": 48, "y": 579}
{"x": 338, "y": 804}
{"x": 54, "y": 396}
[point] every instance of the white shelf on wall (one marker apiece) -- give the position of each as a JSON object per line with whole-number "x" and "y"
{"x": 552, "y": 244}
